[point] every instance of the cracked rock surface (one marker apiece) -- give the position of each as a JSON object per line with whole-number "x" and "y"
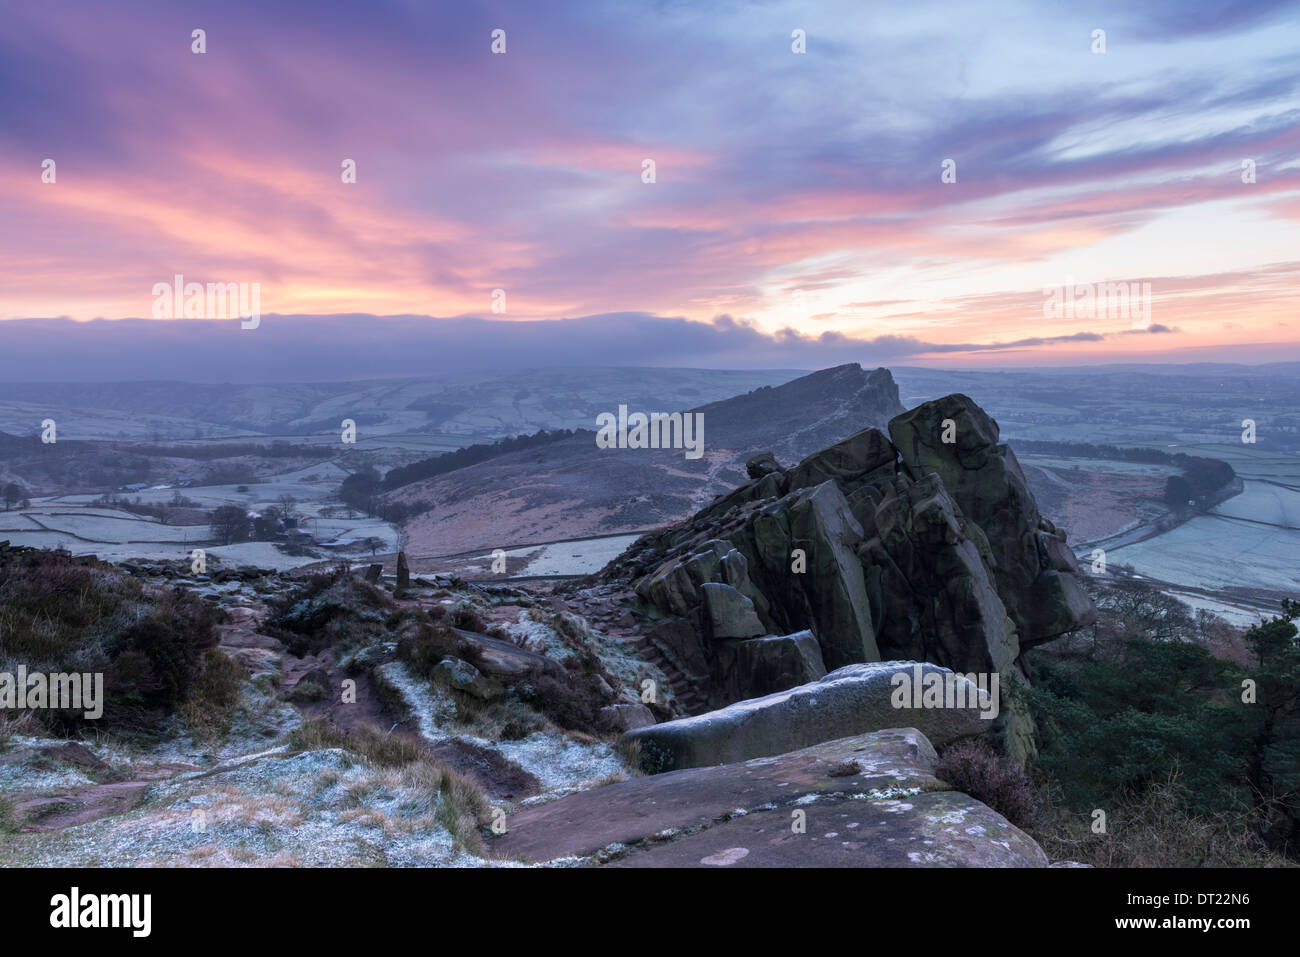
{"x": 869, "y": 800}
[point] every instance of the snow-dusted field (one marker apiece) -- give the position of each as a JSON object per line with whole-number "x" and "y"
{"x": 581, "y": 557}
{"x": 1111, "y": 466}
{"x": 1264, "y": 502}
{"x": 76, "y": 523}
{"x": 115, "y": 527}
{"x": 1215, "y": 552}
{"x": 331, "y": 529}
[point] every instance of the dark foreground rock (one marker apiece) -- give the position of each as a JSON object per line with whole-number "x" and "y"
{"x": 864, "y": 801}
{"x": 848, "y": 701}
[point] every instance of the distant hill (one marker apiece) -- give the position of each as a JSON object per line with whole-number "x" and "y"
{"x": 570, "y": 488}
{"x": 465, "y": 408}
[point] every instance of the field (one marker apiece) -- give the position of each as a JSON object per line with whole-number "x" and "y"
{"x": 1236, "y": 548}
{"x": 78, "y": 524}
{"x": 579, "y": 556}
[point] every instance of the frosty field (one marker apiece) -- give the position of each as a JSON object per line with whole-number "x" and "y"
{"x": 1217, "y": 552}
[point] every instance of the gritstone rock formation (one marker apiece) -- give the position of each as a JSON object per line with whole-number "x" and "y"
{"x": 924, "y": 545}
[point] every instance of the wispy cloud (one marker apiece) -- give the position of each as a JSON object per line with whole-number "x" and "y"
{"x": 776, "y": 173}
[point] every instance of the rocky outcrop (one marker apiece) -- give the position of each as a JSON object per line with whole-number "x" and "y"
{"x": 1035, "y": 571}
{"x": 851, "y": 700}
{"x": 924, "y": 544}
{"x": 869, "y": 800}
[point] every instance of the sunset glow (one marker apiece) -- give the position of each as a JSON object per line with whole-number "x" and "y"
{"x": 792, "y": 191}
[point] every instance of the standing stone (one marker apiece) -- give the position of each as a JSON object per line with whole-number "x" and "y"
{"x": 373, "y": 573}
{"x": 403, "y": 575}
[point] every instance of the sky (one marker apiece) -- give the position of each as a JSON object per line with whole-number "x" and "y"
{"x": 913, "y": 188}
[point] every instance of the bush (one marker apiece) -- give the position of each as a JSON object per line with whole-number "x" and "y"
{"x": 572, "y": 702}
{"x": 466, "y": 618}
{"x": 60, "y": 614}
{"x": 1110, "y": 728}
{"x": 1130, "y": 713}
{"x": 159, "y": 659}
{"x": 1153, "y": 828}
{"x": 431, "y": 642}
{"x": 973, "y": 767}
{"x": 329, "y": 609}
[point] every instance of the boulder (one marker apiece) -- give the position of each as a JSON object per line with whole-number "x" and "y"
{"x": 929, "y": 586}
{"x": 828, "y": 595}
{"x": 846, "y": 462}
{"x": 851, "y": 700}
{"x": 761, "y": 666}
{"x": 501, "y": 659}
{"x": 463, "y": 676}
{"x": 669, "y": 588}
{"x": 764, "y": 463}
{"x": 731, "y": 614}
{"x": 627, "y": 716}
{"x": 906, "y": 547}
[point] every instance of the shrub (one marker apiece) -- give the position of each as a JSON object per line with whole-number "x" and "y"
{"x": 430, "y": 644}
{"x": 159, "y": 659}
{"x": 572, "y": 702}
{"x": 332, "y": 608}
{"x": 1154, "y": 828}
{"x": 61, "y": 614}
{"x": 973, "y": 767}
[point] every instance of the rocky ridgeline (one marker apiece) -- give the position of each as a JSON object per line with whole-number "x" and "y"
{"x": 924, "y": 545}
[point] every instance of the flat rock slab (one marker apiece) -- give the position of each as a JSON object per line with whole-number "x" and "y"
{"x": 884, "y": 763}
{"x": 931, "y": 829}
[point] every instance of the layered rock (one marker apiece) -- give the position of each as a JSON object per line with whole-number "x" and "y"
{"x": 922, "y": 545}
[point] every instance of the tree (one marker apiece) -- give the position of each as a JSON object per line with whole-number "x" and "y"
{"x": 13, "y": 494}
{"x": 1178, "y": 492}
{"x": 229, "y": 524}
{"x": 1272, "y": 728}
{"x": 360, "y": 490}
